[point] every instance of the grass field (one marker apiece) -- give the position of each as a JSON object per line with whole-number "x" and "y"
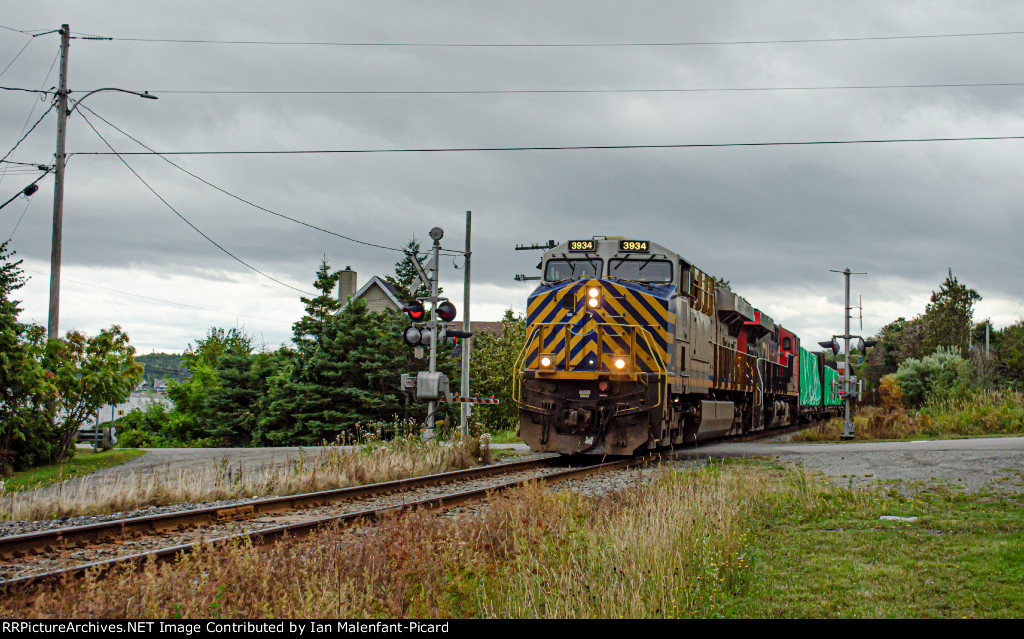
{"x": 83, "y": 463}
{"x": 983, "y": 414}
{"x": 326, "y": 468}
{"x": 734, "y": 539}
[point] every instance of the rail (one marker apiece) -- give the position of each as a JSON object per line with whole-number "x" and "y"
{"x": 13, "y": 546}
{"x": 269, "y": 535}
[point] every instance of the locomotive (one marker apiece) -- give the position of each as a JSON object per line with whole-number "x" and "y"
{"x": 630, "y": 347}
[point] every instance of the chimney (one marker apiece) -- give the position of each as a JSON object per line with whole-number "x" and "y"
{"x": 346, "y": 284}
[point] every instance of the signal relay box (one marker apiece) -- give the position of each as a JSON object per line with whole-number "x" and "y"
{"x": 430, "y": 386}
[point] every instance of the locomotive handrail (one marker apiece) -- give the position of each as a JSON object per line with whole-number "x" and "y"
{"x": 517, "y": 387}
{"x": 520, "y": 363}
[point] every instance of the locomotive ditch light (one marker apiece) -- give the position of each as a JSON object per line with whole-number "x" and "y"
{"x": 620, "y": 363}
{"x": 547, "y": 361}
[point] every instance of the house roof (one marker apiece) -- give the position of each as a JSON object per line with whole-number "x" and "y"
{"x": 386, "y": 286}
{"x": 496, "y": 329}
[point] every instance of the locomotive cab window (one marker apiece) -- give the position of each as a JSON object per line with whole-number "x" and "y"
{"x": 787, "y": 343}
{"x": 649, "y": 271}
{"x": 557, "y": 270}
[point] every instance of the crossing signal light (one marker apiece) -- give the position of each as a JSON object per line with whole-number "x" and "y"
{"x": 446, "y": 311}
{"x": 831, "y": 345}
{"x": 452, "y": 336}
{"x": 416, "y": 336}
{"x": 864, "y": 344}
{"x": 415, "y": 311}
{"x": 412, "y": 336}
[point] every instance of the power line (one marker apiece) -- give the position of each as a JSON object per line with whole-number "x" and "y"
{"x": 29, "y": 132}
{"x": 16, "y": 56}
{"x": 28, "y": 32}
{"x": 33, "y": 109}
{"x": 35, "y": 165}
{"x": 852, "y": 87}
{"x": 27, "y": 190}
{"x": 163, "y": 301}
{"x": 28, "y": 203}
{"x": 595, "y": 147}
{"x": 184, "y": 219}
{"x": 684, "y": 43}
{"x": 24, "y": 90}
{"x": 238, "y": 197}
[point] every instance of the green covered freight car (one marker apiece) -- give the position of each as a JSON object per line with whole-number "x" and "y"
{"x": 810, "y": 379}
{"x": 830, "y": 387}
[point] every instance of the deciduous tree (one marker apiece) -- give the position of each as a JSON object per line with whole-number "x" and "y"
{"x": 89, "y": 373}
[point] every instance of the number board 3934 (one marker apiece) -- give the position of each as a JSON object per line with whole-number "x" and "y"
{"x": 583, "y": 245}
{"x": 634, "y": 246}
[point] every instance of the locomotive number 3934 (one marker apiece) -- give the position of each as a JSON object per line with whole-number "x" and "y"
{"x": 634, "y": 246}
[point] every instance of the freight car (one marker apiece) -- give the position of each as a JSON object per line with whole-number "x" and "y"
{"x": 631, "y": 347}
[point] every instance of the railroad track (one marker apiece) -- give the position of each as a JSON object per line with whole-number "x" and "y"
{"x": 45, "y": 557}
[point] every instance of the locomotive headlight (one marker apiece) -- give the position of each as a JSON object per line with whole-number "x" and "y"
{"x": 594, "y": 292}
{"x": 592, "y": 302}
{"x": 620, "y": 363}
{"x": 593, "y": 297}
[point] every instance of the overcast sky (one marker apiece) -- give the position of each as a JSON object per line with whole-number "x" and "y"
{"x": 773, "y": 220}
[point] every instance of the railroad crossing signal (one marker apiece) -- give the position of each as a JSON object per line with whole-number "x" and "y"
{"x": 832, "y": 345}
{"x": 415, "y": 311}
{"x": 864, "y": 344}
{"x": 446, "y": 311}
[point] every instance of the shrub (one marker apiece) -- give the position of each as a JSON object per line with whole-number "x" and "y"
{"x": 944, "y": 374}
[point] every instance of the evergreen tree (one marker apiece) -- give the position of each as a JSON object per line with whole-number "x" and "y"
{"x": 235, "y": 403}
{"x": 406, "y": 279}
{"x": 306, "y": 333}
{"x": 493, "y": 363}
{"x": 275, "y": 424}
{"x": 947, "y": 318}
{"x": 301, "y": 408}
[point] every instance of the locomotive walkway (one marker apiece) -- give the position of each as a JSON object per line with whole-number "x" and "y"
{"x": 966, "y": 463}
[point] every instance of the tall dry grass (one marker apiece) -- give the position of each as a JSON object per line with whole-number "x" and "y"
{"x": 989, "y": 412}
{"x": 674, "y": 548}
{"x": 326, "y": 468}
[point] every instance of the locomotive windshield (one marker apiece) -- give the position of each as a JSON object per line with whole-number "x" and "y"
{"x": 650, "y": 271}
{"x": 571, "y": 269}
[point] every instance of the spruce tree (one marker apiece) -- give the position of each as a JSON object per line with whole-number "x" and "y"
{"x": 234, "y": 404}
{"x": 406, "y": 279}
{"x": 947, "y": 318}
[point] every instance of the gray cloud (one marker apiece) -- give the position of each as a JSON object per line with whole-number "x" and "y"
{"x": 772, "y": 220}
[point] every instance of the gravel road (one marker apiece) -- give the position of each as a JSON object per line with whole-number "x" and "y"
{"x": 995, "y": 463}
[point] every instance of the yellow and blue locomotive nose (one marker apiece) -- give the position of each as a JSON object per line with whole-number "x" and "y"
{"x": 589, "y": 326}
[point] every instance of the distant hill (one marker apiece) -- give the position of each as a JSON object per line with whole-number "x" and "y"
{"x": 166, "y": 366}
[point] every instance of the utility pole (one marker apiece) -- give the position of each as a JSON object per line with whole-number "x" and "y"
{"x": 53, "y": 320}
{"x": 848, "y": 430}
{"x": 52, "y": 329}
{"x": 467, "y": 344}
{"x": 435, "y": 234}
